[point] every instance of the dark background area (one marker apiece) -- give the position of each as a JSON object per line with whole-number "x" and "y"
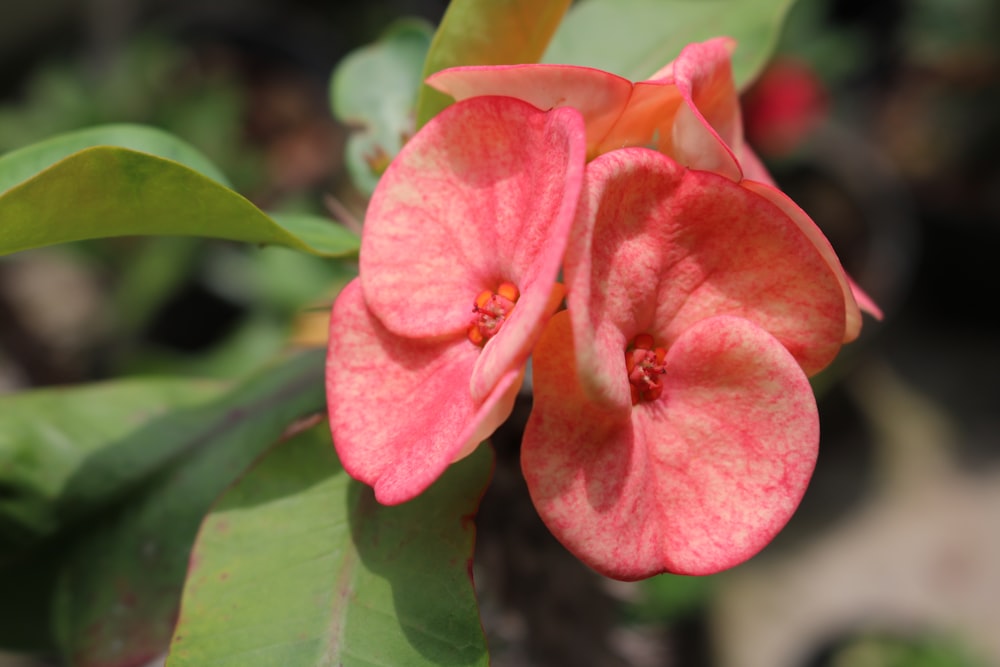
{"x": 892, "y": 559}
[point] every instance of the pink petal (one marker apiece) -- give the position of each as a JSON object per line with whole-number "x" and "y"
{"x": 707, "y": 131}
{"x": 650, "y": 112}
{"x": 852, "y": 314}
{"x": 483, "y": 194}
{"x": 693, "y": 483}
{"x": 599, "y": 96}
{"x": 659, "y": 245}
{"x": 400, "y": 409}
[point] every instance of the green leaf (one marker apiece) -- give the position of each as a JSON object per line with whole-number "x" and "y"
{"x": 635, "y": 38}
{"x": 374, "y": 91}
{"x": 299, "y": 566}
{"x": 499, "y": 32}
{"x": 120, "y": 582}
{"x": 20, "y": 165}
{"x": 66, "y": 451}
{"x": 110, "y": 191}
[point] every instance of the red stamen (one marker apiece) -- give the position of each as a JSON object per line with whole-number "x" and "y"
{"x": 644, "y": 365}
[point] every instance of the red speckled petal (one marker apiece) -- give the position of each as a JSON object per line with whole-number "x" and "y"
{"x": 599, "y": 96}
{"x": 483, "y": 194}
{"x": 692, "y": 483}
{"x": 400, "y": 409}
{"x": 852, "y": 313}
{"x": 660, "y": 246}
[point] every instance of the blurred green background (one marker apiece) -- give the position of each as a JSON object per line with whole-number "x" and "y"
{"x": 894, "y": 556}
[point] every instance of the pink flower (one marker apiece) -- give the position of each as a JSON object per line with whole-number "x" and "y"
{"x": 673, "y": 427}
{"x": 461, "y": 249}
{"x": 688, "y": 110}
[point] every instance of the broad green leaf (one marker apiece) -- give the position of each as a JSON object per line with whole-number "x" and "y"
{"x": 20, "y": 165}
{"x": 120, "y": 581}
{"x": 299, "y": 566}
{"x": 499, "y": 32}
{"x": 635, "y": 38}
{"x": 65, "y": 451}
{"x": 374, "y": 91}
{"x": 110, "y": 191}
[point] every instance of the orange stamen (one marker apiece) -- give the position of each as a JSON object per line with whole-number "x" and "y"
{"x": 483, "y": 299}
{"x": 490, "y": 310}
{"x": 509, "y": 291}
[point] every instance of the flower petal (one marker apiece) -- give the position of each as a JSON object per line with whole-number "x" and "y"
{"x": 483, "y": 194}
{"x": 707, "y": 132}
{"x": 599, "y": 96}
{"x": 692, "y": 483}
{"x": 400, "y": 409}
{"x": 649, "y": 113}
{"x": 657, "y": 245}
{"x": 852, "y": 312}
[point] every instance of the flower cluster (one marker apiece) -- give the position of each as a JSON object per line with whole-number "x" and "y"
{"x": 673, "y": 426}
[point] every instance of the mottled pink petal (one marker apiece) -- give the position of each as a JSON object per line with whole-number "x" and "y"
{"x": 655, "y": 242}
{"x": 400, "y": 409}
{"x": 483, "y": 194}
{"x": 852, "y": 313}
{"x": 599, "y": 96}
{"x": 694, "y": 482}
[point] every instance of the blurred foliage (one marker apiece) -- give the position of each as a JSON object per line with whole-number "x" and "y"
{"x": 373, "y": 91}
{"x": 153, "y": 81}
{"x": 943, "y": 29}
{"x": 887, "y": 651}
{"x": 669, "y": 597}
{"x": 638, "y": 37}
{"x": 264, "y": 289}
{"x": 174, "y": 305}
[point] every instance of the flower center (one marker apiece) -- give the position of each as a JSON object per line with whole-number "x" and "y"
{"x": 490, "y": 311}
{"x": 644, "y": 364}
